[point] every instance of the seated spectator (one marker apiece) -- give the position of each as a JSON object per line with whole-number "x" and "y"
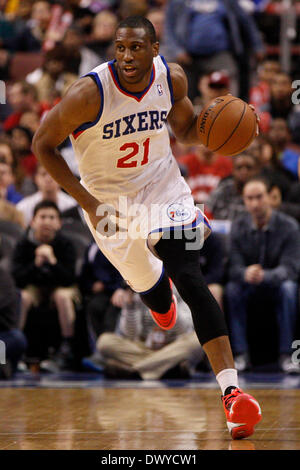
{"x": 157, "y": 17}
{"x": 259, "y": 94}
{"x": 30, "y": 35}
{"x": 104, "y": 290}
{"x": 44, "y": 268}
{"x": 84, "y": 12}
{"x": 204, "y": 38}
{"x": 287, "y": 207}
{"x": 80, "y": 59}
{"x": 265, "y": 264}
{"x": 212, "y": 262}
{"x": 21, "y": 140}
{"x": 204, "y": 170}
{"x": 6, "y": 150}
{"x": 7, "y": 190}
{"x": 23, "y": 183}
{"x": 102, "y": 34}
{"x": 30, "y": 120}
{"x": 13, "y": 339}
{"x": 226, "y": 201}
{"x": 22, "y": 97}
{"x": 52, "y": 80}
{"x": 48, "y": 189}
{"x": 140, "y": 349}
{"x": 270, "y": 165}
{"x": 281, "y": 106}
{"x": 211, "y": 86}
{"x": 280, "y": 136}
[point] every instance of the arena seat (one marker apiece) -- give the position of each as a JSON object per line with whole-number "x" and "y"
{"x": 22, "y": 63}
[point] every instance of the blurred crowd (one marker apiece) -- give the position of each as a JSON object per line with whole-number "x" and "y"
{"x": 62, "y": 304}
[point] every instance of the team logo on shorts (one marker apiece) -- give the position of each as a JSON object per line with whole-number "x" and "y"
{"x": 159, "y": 89}
{"x": 178, "y": 212}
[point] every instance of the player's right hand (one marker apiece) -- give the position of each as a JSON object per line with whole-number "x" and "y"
{"x": 104, "y": 218}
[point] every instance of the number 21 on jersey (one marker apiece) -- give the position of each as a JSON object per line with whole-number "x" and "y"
{"x": 127, "y": 161}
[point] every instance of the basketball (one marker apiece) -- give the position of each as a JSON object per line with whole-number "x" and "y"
{"x": 227, "y": 125}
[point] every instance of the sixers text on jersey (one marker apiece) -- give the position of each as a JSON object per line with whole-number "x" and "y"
{"x": 143, "y": 121}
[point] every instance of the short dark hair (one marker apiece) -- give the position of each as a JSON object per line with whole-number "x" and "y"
{"x": 268, "y": 183}
{"x": 139, "y": 22}
{"x": 46, "y": 204}
{"x": 246, "y": 153}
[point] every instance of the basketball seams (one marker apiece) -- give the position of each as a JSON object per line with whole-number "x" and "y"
{"x": 211, "y": 125}
{"x": 233, "y": 131}
{"x": 248, "y": 141}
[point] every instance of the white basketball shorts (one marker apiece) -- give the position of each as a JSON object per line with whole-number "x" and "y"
{"x": 158, "y": 208}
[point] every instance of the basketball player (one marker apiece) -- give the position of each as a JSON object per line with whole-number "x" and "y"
{"x": 116, "y": 117}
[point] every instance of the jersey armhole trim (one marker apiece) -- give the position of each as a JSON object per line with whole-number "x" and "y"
{"x": 169, "y": 79}
{"x": 90, "y": 124}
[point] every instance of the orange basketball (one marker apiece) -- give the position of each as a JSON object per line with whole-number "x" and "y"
{"x": 227, "y": 125}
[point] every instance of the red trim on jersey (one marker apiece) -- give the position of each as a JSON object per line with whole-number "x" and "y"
{"x": 77, "y": 134}
{"x": 127, "y": 93}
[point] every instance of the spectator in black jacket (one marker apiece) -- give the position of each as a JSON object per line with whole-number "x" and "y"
{"x": 104, "y": 290}
{"x": 44, "y": 268}
{"x": 13, "y": 342}
{"x": 265, "y": 265}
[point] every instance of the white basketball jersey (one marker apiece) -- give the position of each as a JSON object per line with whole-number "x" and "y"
{"x": 128, "y": 144}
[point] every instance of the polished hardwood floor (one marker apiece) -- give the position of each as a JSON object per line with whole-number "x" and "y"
{"x": 140, "y": 419}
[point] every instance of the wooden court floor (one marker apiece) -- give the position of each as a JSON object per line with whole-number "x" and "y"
{"x": 139, "y": 419}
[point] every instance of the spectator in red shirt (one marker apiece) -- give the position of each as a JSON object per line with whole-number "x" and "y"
{"x": 205, "y": 169}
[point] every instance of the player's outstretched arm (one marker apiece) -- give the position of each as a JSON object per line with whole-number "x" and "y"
{"x": 80, "y": 104}
{"x": 182, "y": 118}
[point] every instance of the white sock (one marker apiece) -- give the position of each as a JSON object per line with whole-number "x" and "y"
{"x": 227, "y": 378}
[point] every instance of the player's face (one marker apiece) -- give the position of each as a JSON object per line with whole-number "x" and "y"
{"x": 134, "y": 54}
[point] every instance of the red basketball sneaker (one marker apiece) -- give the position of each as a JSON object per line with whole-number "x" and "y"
{"x": 166, "y": 321}
{"x": 242, "y": 412}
